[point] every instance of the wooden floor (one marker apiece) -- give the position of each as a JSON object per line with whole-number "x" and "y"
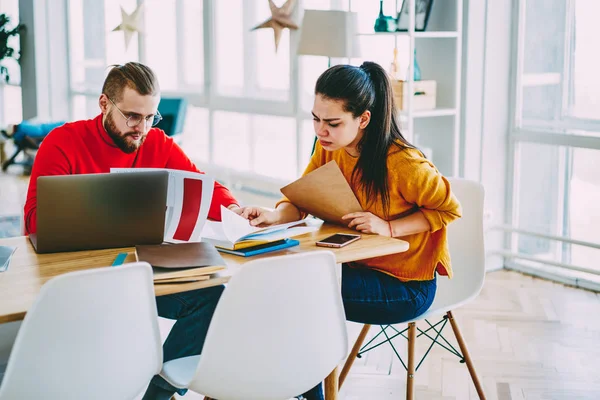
{"x": 529, "y": 339}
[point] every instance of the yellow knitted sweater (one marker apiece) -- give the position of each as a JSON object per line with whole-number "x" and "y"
{"x": 413, "y": 183}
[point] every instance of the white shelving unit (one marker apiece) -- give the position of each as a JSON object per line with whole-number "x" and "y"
{"x": 439, "y": 56}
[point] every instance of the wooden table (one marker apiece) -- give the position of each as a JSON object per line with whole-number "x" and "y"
{"x": 28, "y": 271}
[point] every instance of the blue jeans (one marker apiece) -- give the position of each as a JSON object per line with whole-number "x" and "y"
{"x": 372, "y": 297}
{"x": 193, "y": 311}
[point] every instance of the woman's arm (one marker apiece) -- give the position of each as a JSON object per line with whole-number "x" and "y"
{"x": 287, "y": 212}
{"x": 423, "y": 186}
{"x": 367, "y": 222}
{"x": 430, "y": 191}
{"x": 410, "y": 225}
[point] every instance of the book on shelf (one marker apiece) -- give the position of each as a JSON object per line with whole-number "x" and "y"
{"x": 234, "y": 232}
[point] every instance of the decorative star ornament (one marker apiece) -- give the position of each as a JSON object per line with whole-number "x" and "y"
{"x": 130, "y": 23}
{"x": 281, "y": 18}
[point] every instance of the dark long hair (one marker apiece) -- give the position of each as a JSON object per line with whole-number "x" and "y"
{"x": 360, "y": 89}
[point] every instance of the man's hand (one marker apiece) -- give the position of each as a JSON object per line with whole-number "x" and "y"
{"x": 235, "y": 208}
{"x": 259, "y": 216}
{"x": 366, "y": 222}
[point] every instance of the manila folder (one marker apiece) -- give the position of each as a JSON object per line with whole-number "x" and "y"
{"x": 324, "y": 193}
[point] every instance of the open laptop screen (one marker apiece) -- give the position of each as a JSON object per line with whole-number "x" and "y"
{"x": 99, "y": 211}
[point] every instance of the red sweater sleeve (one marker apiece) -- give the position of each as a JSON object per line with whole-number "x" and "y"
{"x": 49, "y": 160}
{"x": 221, "y": 195}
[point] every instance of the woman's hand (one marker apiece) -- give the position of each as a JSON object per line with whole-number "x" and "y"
{"x": 366, "y": 222}
{"x": 259, "y": 216}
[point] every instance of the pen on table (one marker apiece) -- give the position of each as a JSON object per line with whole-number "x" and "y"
{"x": 120, "y": 259}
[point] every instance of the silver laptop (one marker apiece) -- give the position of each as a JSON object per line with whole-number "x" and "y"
{"x": 100, "y": 211}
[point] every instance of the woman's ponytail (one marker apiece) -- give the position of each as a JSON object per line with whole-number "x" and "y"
{"x": 368, "y": 88}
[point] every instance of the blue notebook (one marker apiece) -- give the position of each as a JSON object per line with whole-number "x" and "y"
{"x": 263, "y": 248}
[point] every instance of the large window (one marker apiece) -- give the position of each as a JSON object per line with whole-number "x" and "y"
{"x": 240, "y": 89}
{"x": 558, "y": 85}
{"x": 11, "y": 111}
{"x": 173, "y": 43}
{"x": 246, "y": 63}
{"x": 556, "y": 136}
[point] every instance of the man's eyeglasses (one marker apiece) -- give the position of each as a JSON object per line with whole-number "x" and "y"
{"x": 135, "y": 119}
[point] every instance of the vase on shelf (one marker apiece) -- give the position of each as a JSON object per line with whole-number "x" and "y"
{"x": 416, "y": 69}
{"x": 384, "y": 23}
{"x": 395, "y": 66}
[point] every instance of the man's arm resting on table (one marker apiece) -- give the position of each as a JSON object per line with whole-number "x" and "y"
{"x": 50, "y": 159}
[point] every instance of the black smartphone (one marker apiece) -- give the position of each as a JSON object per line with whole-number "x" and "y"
{"x": 338, "y": 240}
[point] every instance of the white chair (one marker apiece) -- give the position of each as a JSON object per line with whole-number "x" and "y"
{"x": 465, "y": 237}
{"x": 278, "y": 330}
{"x": 89, "y": 335}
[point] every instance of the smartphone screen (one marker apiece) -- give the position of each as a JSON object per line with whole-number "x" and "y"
{"x": 338, "y": 240}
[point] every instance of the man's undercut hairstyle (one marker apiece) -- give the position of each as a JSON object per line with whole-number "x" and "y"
{"x": 132, "y": 75}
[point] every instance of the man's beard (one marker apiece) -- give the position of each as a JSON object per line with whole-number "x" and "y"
{"x": 120, "y": 139}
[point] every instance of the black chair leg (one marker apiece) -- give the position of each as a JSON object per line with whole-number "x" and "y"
{"x": 11, "y": 160}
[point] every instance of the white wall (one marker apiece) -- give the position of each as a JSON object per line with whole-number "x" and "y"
{"x": 486, "y": 106}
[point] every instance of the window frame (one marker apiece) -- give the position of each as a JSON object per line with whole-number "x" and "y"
{"x": 545, "y": 133}
{"x": 564, "y": 121}
{"x": 208, "y": 97}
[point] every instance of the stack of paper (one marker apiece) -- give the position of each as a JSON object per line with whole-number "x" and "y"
{"x": 235, "y": 232}
{"x": 181, "y": 262}
{"x": 188, "y": 201}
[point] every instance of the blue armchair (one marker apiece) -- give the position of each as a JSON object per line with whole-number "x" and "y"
{"x": 173, "y": 111}
{"x": 27, "y": 136}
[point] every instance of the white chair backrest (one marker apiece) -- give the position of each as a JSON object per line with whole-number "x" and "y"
{"x": 278, "y": 330}
{"x": 89, "y": 335}
{"x": 465, "y": 238}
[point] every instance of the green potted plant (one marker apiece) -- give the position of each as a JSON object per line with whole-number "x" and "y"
{"x": 5, "y": 50}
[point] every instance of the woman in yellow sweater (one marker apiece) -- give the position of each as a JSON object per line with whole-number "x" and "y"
{"x": 402, "y": 193}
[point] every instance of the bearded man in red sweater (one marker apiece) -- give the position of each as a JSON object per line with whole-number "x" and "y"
{"x": 121, "y": 136}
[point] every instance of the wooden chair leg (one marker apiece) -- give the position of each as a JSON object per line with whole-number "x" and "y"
{"x": 353, "y": 353}
{"x": 331, "y": 385}
{"x": 410, "y": 370}
{"x": 467, "y": 357}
